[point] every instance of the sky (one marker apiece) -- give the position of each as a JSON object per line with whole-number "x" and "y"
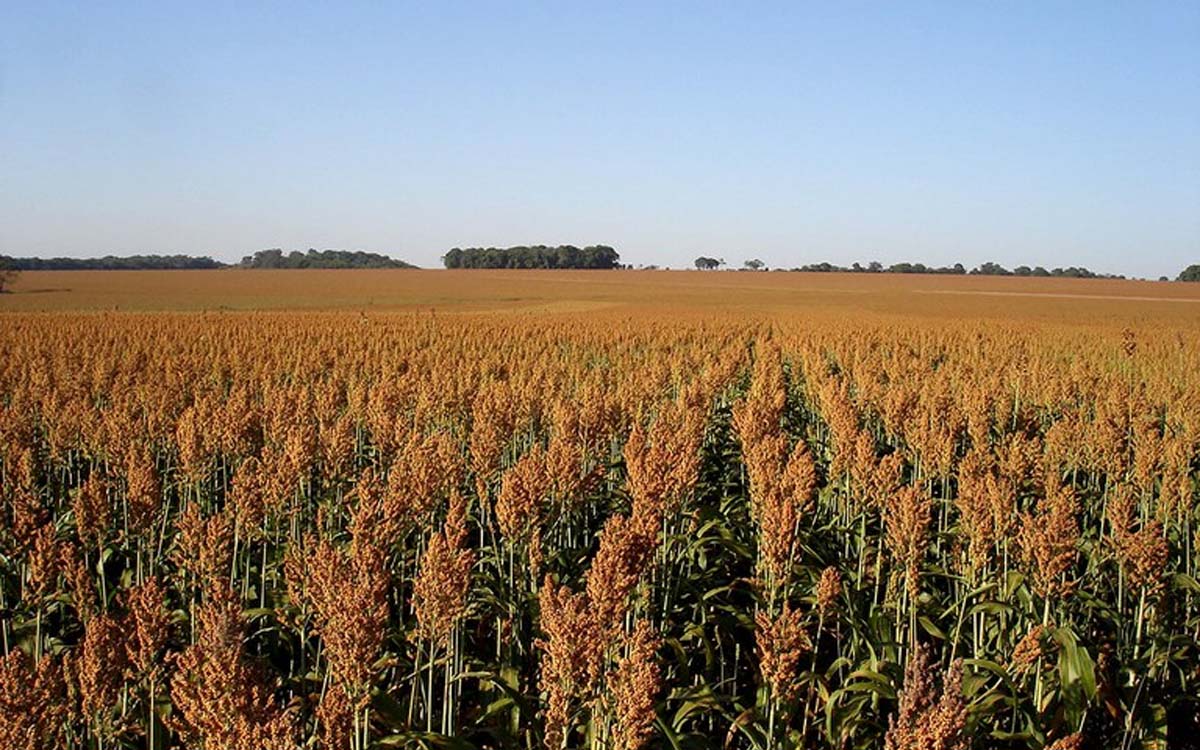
{"x": 1025, "y": 133}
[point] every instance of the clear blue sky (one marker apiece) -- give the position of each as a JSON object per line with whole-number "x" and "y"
{"x": 1044, "y": 132}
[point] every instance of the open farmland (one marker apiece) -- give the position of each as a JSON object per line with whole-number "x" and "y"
{"x": 524, "y": 509}
{"x": 1071, "y": 300}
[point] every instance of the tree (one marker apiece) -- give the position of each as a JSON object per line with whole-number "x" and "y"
{"x": 705, "y": 263}
{"x": 1191, "y": 273}
{"x": 8, "y": 275}
{"x": 275, "y": 258}
{"x": 908, "y": 268}
{"x": 272, "y": 258}
{"x": 533, "y": 256}
{"x": 755, "y": 264}
{"x": 823, "y": 267}
{"x": 991, "y": 269}
{"x": 1073, "y": 273}
{"x": 111, "y": 263}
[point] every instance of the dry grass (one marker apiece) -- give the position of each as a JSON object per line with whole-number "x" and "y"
{"x": 1062, "y": 300}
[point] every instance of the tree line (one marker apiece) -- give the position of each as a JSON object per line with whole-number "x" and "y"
{"x": 539, "y": 256}
{"x": 111, "y": 263}
{"x": 705, "y": 263}
{"x": 275, "y": 258}
{"x": 533, "y": 256}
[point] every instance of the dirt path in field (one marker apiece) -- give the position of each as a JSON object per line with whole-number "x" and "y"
{"x": 1057, "y": 295}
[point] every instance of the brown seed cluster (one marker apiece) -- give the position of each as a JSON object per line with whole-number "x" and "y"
{"x": 1141, "y": 553}
{"x": 33, "y": 704}
{"x": 1035, "y": 646}
{"x": 906, "y": 518}
{"x": 440, "y": 589}
{"x": 223, "y": 698}
{"x": 99, "y": 667}
{"x": 151, "y": 624}
{"x": 348, "y": 590}
{"x": 634, "y": 687}
{"x": 570, "y": 655}
{"x": 829, "y": 589}
{"x": 930, "y": 716}
{"x": 781, "y": 642}
{"x": 1070, "y": 742}
{"x": 1049, "y": 540}
{"x": 986, "y": 506}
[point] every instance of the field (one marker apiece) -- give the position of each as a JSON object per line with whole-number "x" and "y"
{"x": 1003, "y": 298}
{"x": 251, "y": 510}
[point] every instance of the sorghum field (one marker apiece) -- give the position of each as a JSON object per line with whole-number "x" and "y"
{"x": 353, "y": 510}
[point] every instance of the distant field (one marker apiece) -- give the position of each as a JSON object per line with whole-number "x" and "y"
{"x": 1062, "y": 300}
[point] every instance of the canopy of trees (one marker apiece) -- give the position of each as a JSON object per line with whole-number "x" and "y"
{"x": 876, "y": 267}
{"x": 707, "y": 264}
{"x": 111, "y": 263}
{"x": 984, "y": 269}
{"x": 1191, "y": 273}
{"x": 275, "y": 258}
{"x": 536, "y": 256}
{"x": 1071, "y": 272}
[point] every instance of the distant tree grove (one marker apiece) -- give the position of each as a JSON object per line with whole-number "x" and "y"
{"x": 110, "y": 263}
{"x": 275, "y": 258}
{"x": 984, "y": 269}
{"x": 535, "y": 256}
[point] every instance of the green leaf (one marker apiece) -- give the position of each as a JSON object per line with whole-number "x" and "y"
{"x": 1186, "y": 582}
{"x": 929, "y": 627}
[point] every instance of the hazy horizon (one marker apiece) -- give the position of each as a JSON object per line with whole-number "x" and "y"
{"x": 1025, "y": 135}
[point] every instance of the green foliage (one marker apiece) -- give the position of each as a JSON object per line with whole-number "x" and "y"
{"x": 276, "y": 258}
{"x": 984, "y": 269}
{"x": 113, "y": 263}
{"x": 534, "y": 256}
